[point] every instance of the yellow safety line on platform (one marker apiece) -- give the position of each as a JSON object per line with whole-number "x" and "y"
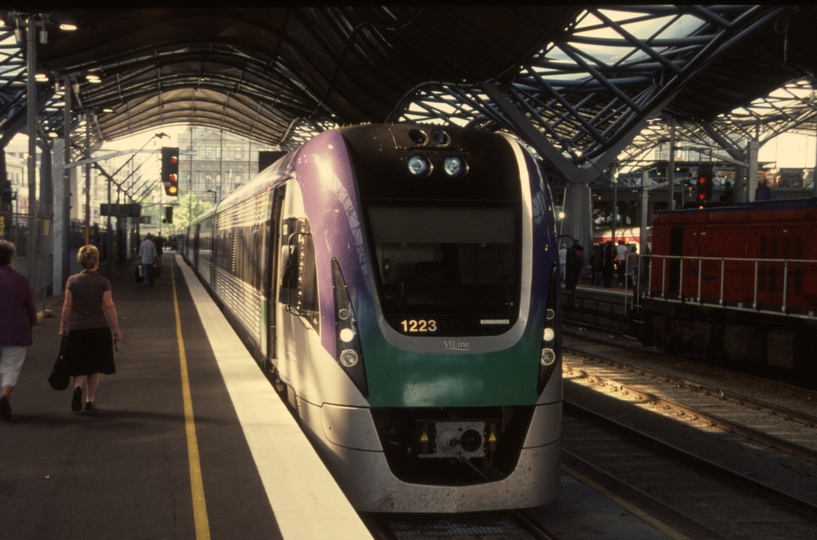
{"x": 196, "y": 484}
{"x": 660, "y": 526}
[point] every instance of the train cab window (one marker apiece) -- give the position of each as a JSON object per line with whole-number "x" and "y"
{"x": 299, "y": 282}
{"x": 454, "y": 265}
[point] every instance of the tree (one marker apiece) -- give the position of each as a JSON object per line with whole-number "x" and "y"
{"x": 189, "y": 209}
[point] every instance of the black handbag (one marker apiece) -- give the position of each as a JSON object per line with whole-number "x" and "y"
{"x": 59, "y": 377}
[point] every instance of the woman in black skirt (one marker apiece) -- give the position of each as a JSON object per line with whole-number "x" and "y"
{"x": 88, "y": 349}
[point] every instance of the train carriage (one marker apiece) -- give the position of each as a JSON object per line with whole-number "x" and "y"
{"x": 400, "y": 285}
{"x": 736, "y": 283}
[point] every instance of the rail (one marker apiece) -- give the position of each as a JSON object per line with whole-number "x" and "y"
{"x": 774, "y": 286}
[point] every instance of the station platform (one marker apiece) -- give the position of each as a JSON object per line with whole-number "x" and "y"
{"x": 190, "y": 440}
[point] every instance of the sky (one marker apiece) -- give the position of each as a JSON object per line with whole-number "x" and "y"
{"x": 790, "y": 150}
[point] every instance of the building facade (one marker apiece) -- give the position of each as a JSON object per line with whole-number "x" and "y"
{"x": 213, "y": 162}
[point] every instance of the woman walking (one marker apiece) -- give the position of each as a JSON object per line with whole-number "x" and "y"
{"x": 88, "y": 349}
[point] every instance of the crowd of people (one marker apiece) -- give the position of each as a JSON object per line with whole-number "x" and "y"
{"x": 610, "y": 260}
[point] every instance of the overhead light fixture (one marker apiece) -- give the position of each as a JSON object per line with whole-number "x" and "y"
{"x": 68, "y": 27}
{"x": 107, "y": 110}
{"x": 93, "y": 78}
{"x": 53, "y": 134}
{"x": 41, "y": 77}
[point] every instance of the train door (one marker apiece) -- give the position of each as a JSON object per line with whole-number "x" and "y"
{"x": 271, "y": 280}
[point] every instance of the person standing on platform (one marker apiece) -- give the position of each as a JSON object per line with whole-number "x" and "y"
{"x": 575, "y": 262}
{"x": 147, "y": 256}
{"x": 621, "y": 269}
{"x": 632, "y": 267}
{"x": 608, "y": 262}
{"x": 17, "y": 319}
{"x": 88, "y": 348}
{"x": 595, "y": 264}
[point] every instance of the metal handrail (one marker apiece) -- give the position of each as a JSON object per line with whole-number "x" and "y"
{"x": 665, "y": 284}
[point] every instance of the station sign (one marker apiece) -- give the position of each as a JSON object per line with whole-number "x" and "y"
{"x": 120, "y": 210}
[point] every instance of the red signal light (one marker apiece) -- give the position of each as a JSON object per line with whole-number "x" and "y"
{"x": 172, "y": 177}
{"x": 174, "y": 160}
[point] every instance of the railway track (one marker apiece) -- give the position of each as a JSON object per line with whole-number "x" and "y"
{"x": 500, "y": 525}
{"x": 766, "y": 431}
{"x": 771, "y": 412}
{"x": 726, "y": 501}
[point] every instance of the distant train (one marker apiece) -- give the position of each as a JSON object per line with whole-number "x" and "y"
{"x": 399, "y": 285}
{"x": 736, "y": 284}
{"x": 630, "y": 235}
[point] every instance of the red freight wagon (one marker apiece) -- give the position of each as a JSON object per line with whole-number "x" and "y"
{"x": 758, "y": 255}
{"x": 739, "y": 282}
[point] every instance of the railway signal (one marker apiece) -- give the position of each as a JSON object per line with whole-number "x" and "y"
{"x": 170, "y": 170}
{"x": 704, "y": 184}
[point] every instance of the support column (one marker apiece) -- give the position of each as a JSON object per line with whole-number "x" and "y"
{"x": 814, "y": 172}
{"x": 751, "y": 176}
{"x": 87, "y": 179}
{"x": 578, "y": 211}
{"x": 65, "y": 260}
{"x": 670, "y": 171}
{"x": 31, "y": 160}
{"x": 59, "y": 239}
{"x": 645, "y": 211}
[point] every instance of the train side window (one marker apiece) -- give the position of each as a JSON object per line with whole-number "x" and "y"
{"x": 299, "y": 284}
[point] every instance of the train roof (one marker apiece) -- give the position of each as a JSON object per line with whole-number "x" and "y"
{"x": 755, "y": 206}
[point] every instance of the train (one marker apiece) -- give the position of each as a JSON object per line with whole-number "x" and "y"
{"x": 399, "y": 286}
{"x": 630, "y": 235}
{"x": 735, "y": 285}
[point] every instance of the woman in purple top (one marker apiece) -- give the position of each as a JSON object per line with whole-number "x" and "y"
{"x": 88, "y": 349}
{"x": 17, "y": 319}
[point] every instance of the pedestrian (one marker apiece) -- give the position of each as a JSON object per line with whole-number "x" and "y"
{"x": 608, "y": 262}
{"x": 595, "y": 264}
{"x": 88, "y": 349}
{"x": 147, "y": 256}
{"x": 17, "y": 319}
{"x": 632, "y": 266}
{"x": 621, "y": 262}
{"x": 575, "y": 262}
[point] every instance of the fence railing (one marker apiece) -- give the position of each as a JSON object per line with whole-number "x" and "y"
{"x": 30, "y": 242}
{"x": 772, "y": 285}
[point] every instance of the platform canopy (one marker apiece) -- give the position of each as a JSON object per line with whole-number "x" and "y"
{"x": 588, "y": 80}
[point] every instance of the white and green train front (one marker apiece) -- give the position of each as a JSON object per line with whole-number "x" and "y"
{"x": 432, "y": 382}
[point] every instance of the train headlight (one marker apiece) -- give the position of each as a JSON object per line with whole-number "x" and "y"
{"x": 349, "y": 352}
{"x": 548, "y": 334}
{"x": 349, "y": 358}
{"x": 419, "y": 166}
{"x": 454, "y": 166}
{"x": 548, "y": 357}
{"x": 550, "y": 339}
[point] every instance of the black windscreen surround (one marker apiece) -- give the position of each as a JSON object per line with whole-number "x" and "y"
{"x": 446, "y": 250}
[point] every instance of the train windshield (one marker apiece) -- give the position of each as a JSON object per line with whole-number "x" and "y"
{"x": 447, "y": 270}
